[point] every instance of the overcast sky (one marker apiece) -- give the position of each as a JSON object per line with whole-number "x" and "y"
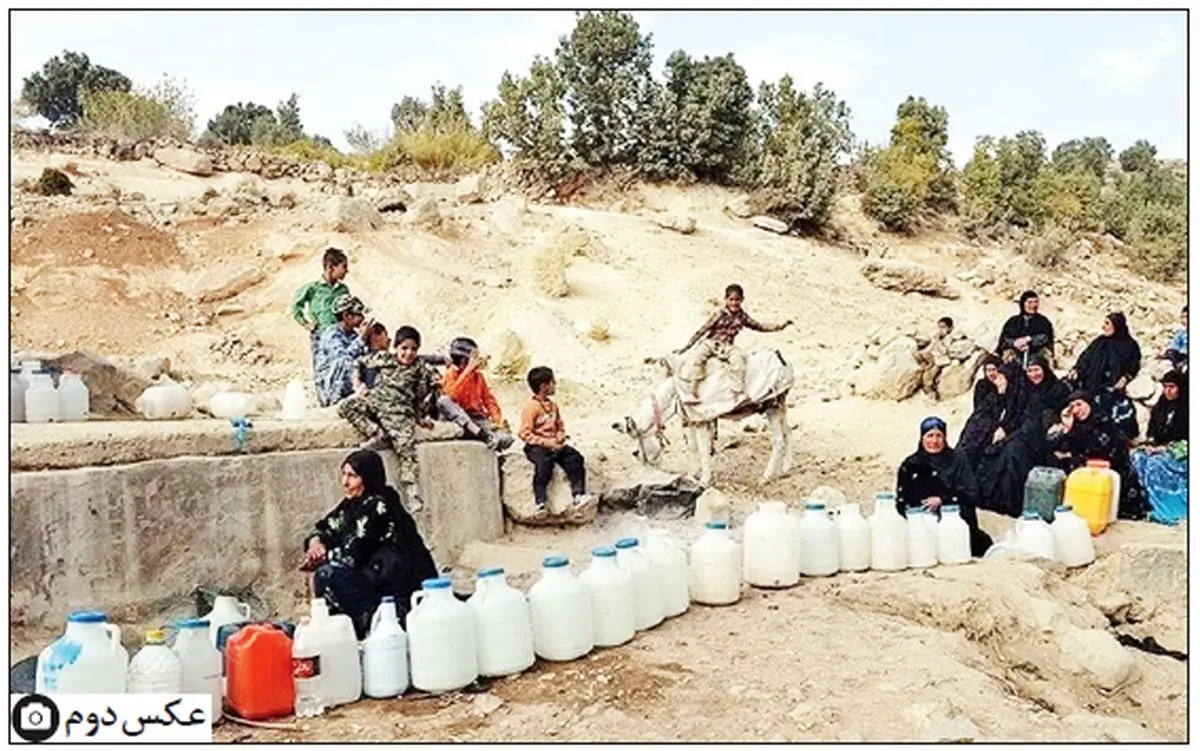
{"x": 1121, "y": 75}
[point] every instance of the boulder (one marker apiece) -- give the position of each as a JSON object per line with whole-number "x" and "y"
{"x": 423, "y": 213}
{"x": 351, "y": 215}
{"x": 1141, "y": 388}
{"x": 469, "y": 189}
{"x": 516, "y": 492}
{"x": 777, "y": 226}
{"x": 221, "y": 282}
{"x": 684, "y": 225}
{"x": 739, "y": 207}
{"x": 902, "y": 276}
{"x": 654, "y": 493}
{"x": 112, "y": 390}
{"x": 959, "y": 376}
{"x": 896, "y": 375}
{"x": 391, "y": 199}
{"x": 1098, "y": 655}
{"x": 185, "y": 160}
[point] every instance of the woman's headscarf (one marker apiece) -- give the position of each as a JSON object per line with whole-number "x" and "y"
{"x": 1120, "y": 325}
{"x": 369, "y": 466}
{"x": 930, "y": 423}
{"x": 1026, "y": 295}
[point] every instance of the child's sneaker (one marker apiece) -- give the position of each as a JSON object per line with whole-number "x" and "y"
{"x": 540, "y": 511}
{"x": 581, "y": 500}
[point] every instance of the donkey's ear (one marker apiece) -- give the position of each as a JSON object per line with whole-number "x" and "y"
{"x": 617, "y": 427}
{"x": 630, "y": 426}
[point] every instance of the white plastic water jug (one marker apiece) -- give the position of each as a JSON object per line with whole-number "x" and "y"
{"x": 74, "y": 402}
{"x": 715, "y": 567}
{"x": 922, "y": 548}
{"x": 441, "y": 639}
{"x": 28, "y": 369}
{"x": 671, "y": 565}
{"x": 1034, "y": 536}
{"x": 226, "y": 609}
{"x": 87, "y": 659}
{"x": 155, "y": 669}
{"x": 953, "y": 537}
{"x": 295, "y": 402}
{"x": 889, "y": 535}
{"x": 16, "y": 395}
{"x": 1073, "y": 545}
{"x": 854, "y": 538}
{"x": 561, "y": 610}
{"x": 41, "y": 399}
{"x": 647, "y": 594}
{"x": 341, "y": 671}
{"x": 769, "y": 546}
{"x": 306, "y": 671}
{"x": 230, "y": 405}
{"x": 503, "y": 629}
{"x": 819, "y": 555}
{"x": 199, "y": 661}
{"x": 165, "y": 400}
{"x": 385, "y": 654}
{"x": 611, "y": 589}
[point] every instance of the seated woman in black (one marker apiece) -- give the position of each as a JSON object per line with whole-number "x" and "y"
{"x": 935, "y": 476}
{"x": 1084, "y": 432}
{"x": 989, "y": 401}
{"x": 1111, "y": 361}
{"x": 368, "y": 547}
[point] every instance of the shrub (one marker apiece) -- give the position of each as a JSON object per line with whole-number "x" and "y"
{"x": 455, "y": 150}
{"x": 164, "y": 111}
{"x": 52, "y": 183}
{"x": 305, "y": 149}
{"x": 55, "y": 90}
{"x": 1049, "y": 248}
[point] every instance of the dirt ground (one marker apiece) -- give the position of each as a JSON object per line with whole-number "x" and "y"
{"x": 943, "y": 655}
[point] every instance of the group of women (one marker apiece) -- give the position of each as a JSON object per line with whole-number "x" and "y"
{"x": 1025, "y": 416}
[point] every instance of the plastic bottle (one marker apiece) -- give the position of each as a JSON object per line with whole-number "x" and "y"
{"x": 155, "y": 669}
{"x": 385, "y": 654}
{"x": 306, "y": 670}
{"x": 73, "y": 398}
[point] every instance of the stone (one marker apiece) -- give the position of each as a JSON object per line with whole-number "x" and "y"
{"x": 141, "y": 537}
{"x": 391, "y": 199}
{"x": 185, "y": 160}
{"x": 516, "y": 484}
{"x": 1098, "y": 655}
{"x": 739, "y": 207}
{"x": 469, "y": 189}
{"x": 684, "y": 225}
{"x": 961, "y": 347}
{"x": 654, "y": 494}
{"x": 896, "y": 375}
{"x": 958, "y": 378}
{"x": 351, "y": 215}
{"x": 112, "y": 390}
{"x": 771, "y": 225}
{"x": 220, "y": 282}
{"x": 711, "y": 505}
{"x": 1142, "y": 387}
{"x": 485, "y": 704}
{"x": 423, "y": 213}
{"x": 903, "y": 276}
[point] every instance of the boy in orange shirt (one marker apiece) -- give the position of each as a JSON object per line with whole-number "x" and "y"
{"x": 465, "y": 385}
{"x": 546, "y": 441}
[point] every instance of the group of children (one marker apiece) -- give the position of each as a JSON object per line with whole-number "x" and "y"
{"x": 386, "y": 392}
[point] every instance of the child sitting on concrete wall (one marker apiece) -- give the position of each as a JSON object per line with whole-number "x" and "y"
{"x": 545, "y": 440}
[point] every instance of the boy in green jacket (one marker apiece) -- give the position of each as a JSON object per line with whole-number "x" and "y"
{"x": 312, "y": 307}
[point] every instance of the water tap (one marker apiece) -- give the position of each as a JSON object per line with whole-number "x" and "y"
{"x": 241, "y": 431}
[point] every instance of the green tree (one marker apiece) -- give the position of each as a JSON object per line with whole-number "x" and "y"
{"x": 363, "y": 141}
{"x": 1021, "y": 159}
{"x": 982, "y": 190}
{"x": 900, "y": 178}
{"x": 698, "y": 123}
{"x": 1070, "y": 200}
{"x": 235, "y": 124}
{"x": 605, "y": 67}
{"x": 409, "y": 114}
{"x": 804, "y": 136}
{"x": 1140, "y": 157}
{"x": 54, "y": 91}
{"x": 1091, "y": 155}
{"x": 288, "y": 116}
{"x": 930, "y": 140}
{"x": 528, "y": 116}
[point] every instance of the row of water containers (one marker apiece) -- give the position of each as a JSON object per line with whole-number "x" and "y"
{"x": 499, "y": 630}
{"x": 33, "y": 395}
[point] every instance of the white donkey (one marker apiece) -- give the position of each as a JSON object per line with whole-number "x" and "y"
{"x": 768, "y": 380}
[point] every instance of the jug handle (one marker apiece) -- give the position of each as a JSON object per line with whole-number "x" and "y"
{"x": 375, "y": 618}
{"x": 244, "y": 609}
{"x": 416, "y": 598}
{"x": 114, "y": 635}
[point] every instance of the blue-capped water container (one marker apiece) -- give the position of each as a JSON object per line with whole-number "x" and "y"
{"x": 561, "y": 610}
{"x": 441, "y": 639}
{"x": 87, "y": 659}
{"x": 503, "y": 631}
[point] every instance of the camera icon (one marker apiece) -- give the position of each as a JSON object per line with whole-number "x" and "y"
{"x": 35, "y": 718}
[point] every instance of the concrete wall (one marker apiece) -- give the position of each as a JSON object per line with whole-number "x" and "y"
{"x": 137, "y": 539}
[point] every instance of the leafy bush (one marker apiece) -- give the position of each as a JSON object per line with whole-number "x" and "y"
{"x": 52, "y": 183}
{"x": 528, "y": 116}
{"x": 454, "y": 151}
{"x": 166, "y": 110}
{"x": 914, "y": 172}
{"x": 54, "y": 92}
{"x": 308, "y": 150}
{"x": 236, "y": 123}
{"x": 1071, "y": 200}
{"x": 804, "y": 135}
{"x": 1159, "y": 240}
{"x": 1049, "y": 248}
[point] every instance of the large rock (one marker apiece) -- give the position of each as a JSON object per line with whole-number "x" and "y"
{"x": 516, "y": 484}
{"x": 469, "y": 189}
{"x": 902, "y": 276}
{"x": 739, "y": 207}
{"x": 777, "y": 226}
{"x": 220, "y": 282}
{"x": 112, "y": 390}
{"x": 684, "y": 225}
{"x": 423, "y": 213}
{"x": 959, "y": 377}
{"x": 896, "y": 375}
{"x": 185, "y": 160}
{"x": 351, "y": 215}
{"x": 1098, "y": 655}
{"x": 655, "y": 493}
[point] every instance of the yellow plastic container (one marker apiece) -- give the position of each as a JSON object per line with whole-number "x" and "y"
{"x": 1090, "y": 492}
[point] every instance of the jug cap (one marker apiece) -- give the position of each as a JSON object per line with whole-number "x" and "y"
{"x": 884, "y": 495}
{"x": 386, "y": 599}
{"x": 554, "y": 561}
{"x": 603, "y": 551}
{"x": 951, "y": 507}
{"x": 186, "y": 623}
{"x": 626, "y": 542}
{"x": 1098, "y": 463}
{"x": 814, "y": 506}
{"x": 913, "y": 511}
{"x": 87, "y": 616}
{"x": 1030, "y": 514}
{"x": 489, "y": 571}
{"x": 156, "y": 636}
{"x": 1062, "y": 509}
{"x": 715, "y": 524}
{"x": 440, "y": 582}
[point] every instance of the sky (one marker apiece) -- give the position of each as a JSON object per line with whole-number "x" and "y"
{"x": 1069, "y": 74}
